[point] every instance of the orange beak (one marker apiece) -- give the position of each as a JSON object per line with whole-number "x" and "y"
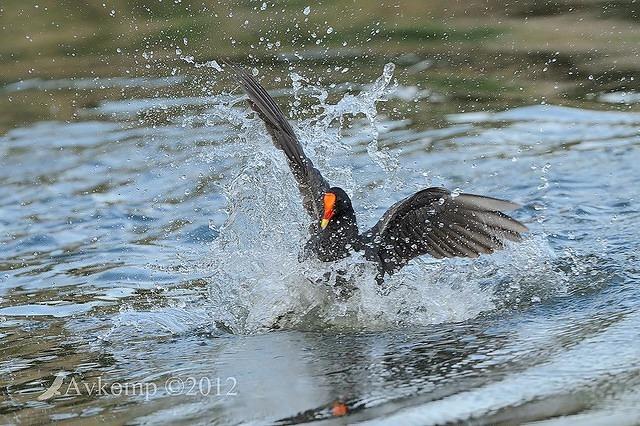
{"x": 329, "y": 206}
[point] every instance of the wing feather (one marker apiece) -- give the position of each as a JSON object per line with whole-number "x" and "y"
{"x": 435, "y": 222}
{"x": 480, "y": 202}
{"x": 310, "y": 181}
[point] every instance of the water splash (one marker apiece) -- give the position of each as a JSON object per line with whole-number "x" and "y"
{"x": 365, "y": 103}
{"x": 256, "y": 280}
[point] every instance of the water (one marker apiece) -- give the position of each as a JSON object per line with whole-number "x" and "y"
{"x": 154, "y": 241}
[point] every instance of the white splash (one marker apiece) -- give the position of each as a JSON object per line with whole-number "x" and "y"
{"x": 257, "y": 282}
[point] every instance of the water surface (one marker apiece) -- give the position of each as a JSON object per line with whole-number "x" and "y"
{"x": 150, "y": 232}
{"x": 157, "y": 238}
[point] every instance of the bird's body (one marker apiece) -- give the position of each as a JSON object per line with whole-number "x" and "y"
{"x": 432, "y": 221}
{"x": 341, "y": 236}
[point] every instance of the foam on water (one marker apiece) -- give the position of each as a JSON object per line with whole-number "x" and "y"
{"x": 256, "y": 279}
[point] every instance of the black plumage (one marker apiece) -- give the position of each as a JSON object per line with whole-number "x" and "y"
{"x": 432, "y": 221}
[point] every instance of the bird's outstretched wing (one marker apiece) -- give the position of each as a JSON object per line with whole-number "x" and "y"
{"x": 435, "y": 222}
{"x": 311, "y": 183}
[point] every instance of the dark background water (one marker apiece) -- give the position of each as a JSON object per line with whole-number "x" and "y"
{"x": 149, "y": 232}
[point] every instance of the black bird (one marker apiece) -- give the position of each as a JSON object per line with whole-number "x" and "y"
{"x": 432, "y": 221}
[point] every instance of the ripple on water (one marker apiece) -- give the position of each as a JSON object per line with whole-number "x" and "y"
{"x": 141, "y": 249}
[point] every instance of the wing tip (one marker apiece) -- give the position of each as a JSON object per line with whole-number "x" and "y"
{"x": 482, "y": 202}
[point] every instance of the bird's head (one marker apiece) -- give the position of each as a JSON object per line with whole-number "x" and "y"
{"x": 336, "y": 203}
